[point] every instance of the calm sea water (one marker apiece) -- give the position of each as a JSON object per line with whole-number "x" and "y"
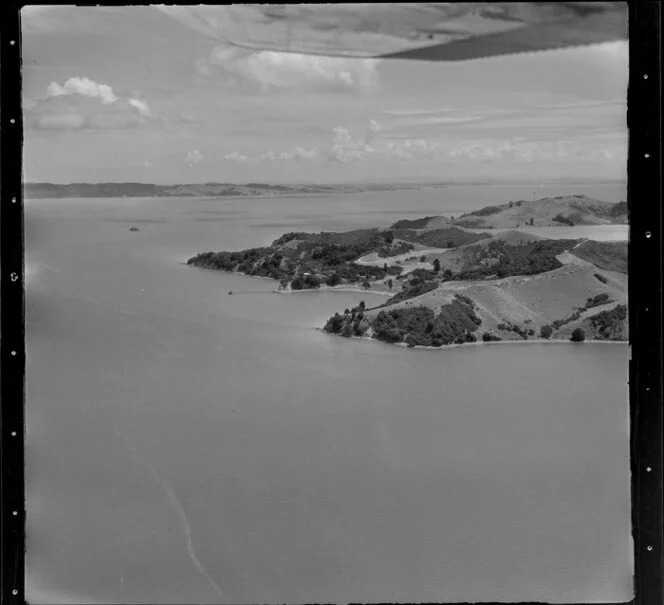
{"x": 186, "y": 446}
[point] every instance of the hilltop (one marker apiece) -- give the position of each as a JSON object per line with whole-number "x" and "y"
{"x": 546, "y": 212}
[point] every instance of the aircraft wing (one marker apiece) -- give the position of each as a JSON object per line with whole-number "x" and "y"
{"x": 431, "y": 32}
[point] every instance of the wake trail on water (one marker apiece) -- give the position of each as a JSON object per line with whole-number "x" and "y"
{"x": 175, "y": 501}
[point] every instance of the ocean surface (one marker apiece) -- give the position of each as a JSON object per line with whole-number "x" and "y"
{"x": 187, "y": 446}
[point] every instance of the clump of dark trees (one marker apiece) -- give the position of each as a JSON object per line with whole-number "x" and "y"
{"x": 609, "y": 325}
{"x": 559, "y": 218}
{"x": 420, "y": 326}
{"x": 316, "y": 259}
{"x": 527, "y": 258}
{"x": 578, "y": 335}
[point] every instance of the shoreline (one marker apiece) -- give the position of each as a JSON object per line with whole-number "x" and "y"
{"x": 480, "y": 342}
{"x": 321, "y": 288}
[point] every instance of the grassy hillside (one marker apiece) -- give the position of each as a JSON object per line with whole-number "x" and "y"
{"x": 611, "y": 256}
{"x": 449, "y": 237}
{"x": 546, "y": 212}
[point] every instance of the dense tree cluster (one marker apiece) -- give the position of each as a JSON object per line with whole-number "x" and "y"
{"x": 596, "y": 301}
{"x": 420, "y": 326}
{"x": 610, "y": 325}
{"x": 306, "y": 260}
{"x": 546, "y": 331}
{"x": 578, "y": 335}
{"x": 528, "y": 258}
{"x": 559, "y": 218}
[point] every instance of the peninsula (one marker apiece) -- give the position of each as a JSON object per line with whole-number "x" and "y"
{"x": 445, "y": 284}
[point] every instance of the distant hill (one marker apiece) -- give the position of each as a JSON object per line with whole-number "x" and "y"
{"x": 428, "y": 222}
{"x": 546, "y": 212}
{"x": 104, "y": 190}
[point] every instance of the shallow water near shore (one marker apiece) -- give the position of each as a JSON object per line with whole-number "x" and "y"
{"x": 187, "y": 446}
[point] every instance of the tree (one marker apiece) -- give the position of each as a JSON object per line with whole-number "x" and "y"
{"x": 423, "y": 258}
{"x": 447, "y": 274}
{"x": 436, "y": 265}
{"x": 578, "y": 335}
{"x": 546, "y": 331}
{"x": 390, "y": 283}
{"x": 362, "y": 305}
{"x": 333, "y": 280}
{"x": 388, "y": 237}
{"x": 366, "y": 285}
{"x": 334, "y": 324}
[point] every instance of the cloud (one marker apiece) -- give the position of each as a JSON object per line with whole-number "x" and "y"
{"x": 347, "y": 149}
{"x": 236, "y": 157}
{"x": 141, "y": 106}
{"x": 270, "y": 70}
{"x": 343, "y": 148}
{"x": 297, "y": 154}
{"x": 193, "y": 157}
{"x": 84, "y": 87}
{"x": 410, "y": 149}
{"x": 524, "y": 150}
{"x": 83, "y": 104}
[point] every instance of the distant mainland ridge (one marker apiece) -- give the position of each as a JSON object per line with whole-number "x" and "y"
{"x": 556, "y": 211}
{"x": 97, "y": 190}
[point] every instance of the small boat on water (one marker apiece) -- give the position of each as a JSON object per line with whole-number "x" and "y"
{"x": 230, "y": 292}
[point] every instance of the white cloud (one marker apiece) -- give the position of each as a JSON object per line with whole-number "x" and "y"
{"x": 193, "y": 157}
{"x": 297, "y": 154}
{"x": 410, "y": 149}
{"x": 523, "y": 150}
{"x": 141, "y": 106}
{"x": 236, "y": 157}
{"x": 374, "y": 127}
{"x": 84, "y": 87}
{"x": 344, "y": 148}
{"x": 82, "y": 104}
{"x": 347, "y": 149}
{"x": 275, "y": 70}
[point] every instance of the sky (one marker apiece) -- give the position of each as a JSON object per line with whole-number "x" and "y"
{"x": 130, "y": 94}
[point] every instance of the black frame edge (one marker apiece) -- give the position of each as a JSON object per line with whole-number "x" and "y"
{"x": 645, "y": 298}
{"x": 12, "y": 313}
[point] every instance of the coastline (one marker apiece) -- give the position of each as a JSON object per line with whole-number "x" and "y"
{"x": 321, "y": 288}
{"x": 481, "y": 342}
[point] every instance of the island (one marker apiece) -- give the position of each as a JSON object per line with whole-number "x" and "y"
{"x": 448, "y": 284}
